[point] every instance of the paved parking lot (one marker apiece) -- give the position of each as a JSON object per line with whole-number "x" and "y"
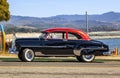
{"x": 59, "y": 69}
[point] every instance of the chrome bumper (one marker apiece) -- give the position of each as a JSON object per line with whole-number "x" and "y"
{"x": 13, "y": 51}
{"x": 107, "y": 53}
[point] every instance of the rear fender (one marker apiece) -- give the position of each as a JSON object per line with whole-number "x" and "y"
{"x": 85, "y": 51}
{"x": 77, "y": 52}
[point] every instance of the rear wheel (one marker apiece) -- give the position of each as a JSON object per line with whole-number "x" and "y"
{"x": 86, "y": 58}
{"x": 79, "y": 58}
{"x": 27, "y": 55}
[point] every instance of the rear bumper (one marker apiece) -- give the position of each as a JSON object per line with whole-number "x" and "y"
{"x": 101, "y": 52}
{"x": 107, "y": 53}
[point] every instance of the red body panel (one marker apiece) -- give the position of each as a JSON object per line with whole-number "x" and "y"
{"x": 79, "y": 32}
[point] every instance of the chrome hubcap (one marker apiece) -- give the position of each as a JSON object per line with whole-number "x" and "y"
{"x": 88, "y": 56}
{"x": 29, "y": 55}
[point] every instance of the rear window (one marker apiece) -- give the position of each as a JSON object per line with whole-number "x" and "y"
{"x": 74, "y": 36}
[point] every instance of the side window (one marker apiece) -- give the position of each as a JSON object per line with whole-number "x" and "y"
{"x": 74, "y": 36}
{"x": 56, "y": 35}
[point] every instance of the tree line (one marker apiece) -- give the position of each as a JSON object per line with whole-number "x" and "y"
{"x": 30, "y": 30}
{"x": 22, "y": 30}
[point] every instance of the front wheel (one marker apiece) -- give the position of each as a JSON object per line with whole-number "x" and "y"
{"x": 27, "y": 55}
{"x": 20, "y": 56}
{"x": 86, "y": 58}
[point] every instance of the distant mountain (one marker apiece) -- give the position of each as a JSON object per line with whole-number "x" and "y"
{"x": 101, "y": 22}
{"x": 109, "y": 16}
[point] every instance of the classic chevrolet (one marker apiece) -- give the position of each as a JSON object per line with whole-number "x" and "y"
{"x": 59, "y": 42}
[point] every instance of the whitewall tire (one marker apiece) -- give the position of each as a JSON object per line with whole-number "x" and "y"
{"x": 88, "y": 58}
{"x": 28, "y": 55}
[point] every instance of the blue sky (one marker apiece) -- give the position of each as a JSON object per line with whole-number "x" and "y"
{"x": 46, "y": 8}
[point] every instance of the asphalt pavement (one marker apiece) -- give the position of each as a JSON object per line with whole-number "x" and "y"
{"x": 17, "y": 69}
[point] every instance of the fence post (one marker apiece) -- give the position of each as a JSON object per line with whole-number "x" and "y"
{"x": 116, "y": 51}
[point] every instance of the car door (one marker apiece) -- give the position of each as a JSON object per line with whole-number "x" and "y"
{"x": 73, "y": 40}
{"x": 57, "y": 47}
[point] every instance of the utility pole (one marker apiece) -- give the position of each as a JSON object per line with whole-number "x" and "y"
{"x": 87, "y": 30}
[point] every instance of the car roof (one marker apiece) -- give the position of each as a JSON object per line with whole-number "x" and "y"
{"x": 72, "y": 30}
{"x": 62, "y": 29}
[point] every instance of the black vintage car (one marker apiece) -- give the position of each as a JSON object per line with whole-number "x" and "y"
{"x": 59, "y": 42}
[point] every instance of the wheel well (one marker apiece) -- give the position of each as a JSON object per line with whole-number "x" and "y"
{"x": 84, "y": 51}
{"x": 87, "y": 51}
{"x": 26, "y": 48}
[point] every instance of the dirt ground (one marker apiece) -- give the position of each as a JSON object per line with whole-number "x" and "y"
{"x": 59, "y": 70}
{"x": 46, "y": 72}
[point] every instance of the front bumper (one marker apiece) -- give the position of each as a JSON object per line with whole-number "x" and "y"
{"x": 13, "y": 51}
